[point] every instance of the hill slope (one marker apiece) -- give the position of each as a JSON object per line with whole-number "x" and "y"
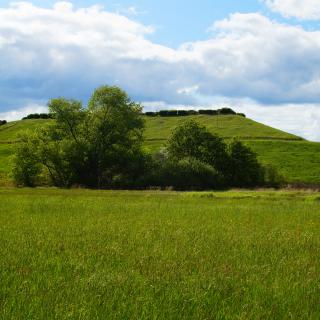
{"x": 298, "y": 160}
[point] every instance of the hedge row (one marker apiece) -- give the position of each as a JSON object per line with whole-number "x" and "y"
{"x": 181, "y": 113}
{"x": 38, "y": 116}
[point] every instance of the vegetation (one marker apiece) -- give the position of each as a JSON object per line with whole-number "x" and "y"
{"x": 82, "y": 254}
{"x": 39, "y": 116}
{"x": 101, "y": 147}
{"x": 297, "y": 161}
{"x": 2, "y": 122}
{"x": 181, "y": 113}
{"x": 94, "y": 147}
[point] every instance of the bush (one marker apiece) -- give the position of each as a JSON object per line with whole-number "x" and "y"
{"x": 209, "y": 112}
{"x": 226, "y": 111}
{"x": 186, "y": 174}
{"x": 39, "y": 116}
{"x": 3, "y": 122}
{"x": 272, "y": 178}
{"x": 151, "y": 114}
{"x": 241, "y": 115}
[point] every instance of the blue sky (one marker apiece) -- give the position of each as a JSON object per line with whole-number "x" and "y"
{"x": 260, "y": 57}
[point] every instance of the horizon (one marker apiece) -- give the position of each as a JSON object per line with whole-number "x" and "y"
{"x": 259, "y": 57}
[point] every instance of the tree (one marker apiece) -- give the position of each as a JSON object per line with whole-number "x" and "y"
{"x": 95, "y": 146}
{"x": 245, "y": 170}
{"x": 195, "y": 141}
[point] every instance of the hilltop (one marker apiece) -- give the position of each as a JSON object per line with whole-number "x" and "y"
{"x": 296, "y": 159}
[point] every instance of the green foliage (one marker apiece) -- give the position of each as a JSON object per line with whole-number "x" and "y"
{"x": 272, "y": 177}
{"x": 26, "y": 166}
{"x": 3, "y": 122}
{"x": 38, "y": 116}
{"x": 185, "y": 174}
{"x": 244, "y": 169}
{"x": 93, "y": 146}
{"x": 195, "y": 141}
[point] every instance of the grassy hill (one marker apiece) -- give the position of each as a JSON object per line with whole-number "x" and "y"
{"x": 297, "y": 159}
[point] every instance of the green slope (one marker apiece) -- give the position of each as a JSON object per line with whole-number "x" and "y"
{"x": 298, "y": 160}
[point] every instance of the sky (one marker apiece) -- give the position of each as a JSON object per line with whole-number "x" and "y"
{"x": 260, "y": 57}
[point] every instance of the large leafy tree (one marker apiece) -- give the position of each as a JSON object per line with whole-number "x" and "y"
{"x": 96, "y": 146}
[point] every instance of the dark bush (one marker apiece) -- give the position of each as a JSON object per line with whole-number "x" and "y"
{"x": 241, "y": 115}
{"x": 2, "y": 122}
{"x": 209, "y": 112}
{"x": 39, "y": 116}
{"x": 185, "y": 174}
{"x": 151, "y": 114}
{"x": 226, "y": 111}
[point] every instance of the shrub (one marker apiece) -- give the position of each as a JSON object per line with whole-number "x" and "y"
{"x": 186, "y": 174}
{"x": 226, "y": 111}
{"x": 39, "y": 116}
{"x": 241, "y": 115}
{"x": 272, "y": 178}
{"x": 3, "y": 122}
{"x": 208, "y": 112}
{"x": 151, "y": 114}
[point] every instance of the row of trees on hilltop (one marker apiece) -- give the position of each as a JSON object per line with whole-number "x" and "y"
{"x": 101, "y": 147}
{"x": 161, "y": 113}
{"x": 182, "y": 113}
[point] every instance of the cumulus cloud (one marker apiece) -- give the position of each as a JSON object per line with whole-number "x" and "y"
{"x": 301, "y": 9}
{"x": 18, "y": 114}
{"x": 68, "y": 51}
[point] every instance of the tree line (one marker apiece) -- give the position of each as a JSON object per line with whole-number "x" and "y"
{"x": 181, "y": 113}
{"x": 101, "y": 146}
{"x": 161, "y": 113}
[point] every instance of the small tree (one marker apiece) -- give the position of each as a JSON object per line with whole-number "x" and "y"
{"x": 195, "y": 141}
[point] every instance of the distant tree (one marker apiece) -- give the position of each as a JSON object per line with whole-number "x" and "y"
{"x": 226, "y": 111}
{"x": 195, "y": 141}
{"x": 3, "y": 122}
{"x": 244, "y": 168}
{"x": 38, "y": 116}
{"x": 208, "y": 112}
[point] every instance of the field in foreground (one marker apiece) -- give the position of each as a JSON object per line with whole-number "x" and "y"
{"x": 82, "y": 254}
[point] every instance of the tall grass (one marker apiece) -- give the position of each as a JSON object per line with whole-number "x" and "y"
{"x": 129, "y": 255}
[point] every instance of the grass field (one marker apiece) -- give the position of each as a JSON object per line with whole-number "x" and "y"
{"x": 159, "y": 255}
{"x": 296, "y": 159}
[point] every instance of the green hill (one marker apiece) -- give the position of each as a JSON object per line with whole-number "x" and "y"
{"x": 295, "y": 158}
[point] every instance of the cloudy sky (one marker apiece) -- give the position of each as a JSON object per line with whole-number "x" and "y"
{"x": 261, "y": 57}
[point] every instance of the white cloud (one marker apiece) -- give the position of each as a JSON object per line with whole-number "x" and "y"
{"x": 18, "y": 114}
{"x": 301, "y": 9}
{"x": 64, "y": 51}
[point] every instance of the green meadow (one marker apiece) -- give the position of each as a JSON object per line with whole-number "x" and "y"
{"x": 80, "y": 254}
